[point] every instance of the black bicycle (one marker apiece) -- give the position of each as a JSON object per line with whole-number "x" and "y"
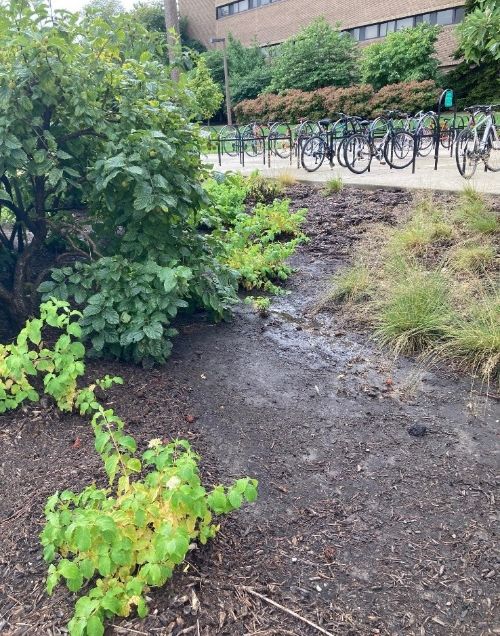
{"x": 327, "y": 143}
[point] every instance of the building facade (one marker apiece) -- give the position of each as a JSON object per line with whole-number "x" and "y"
{"x": 269, "y": 22}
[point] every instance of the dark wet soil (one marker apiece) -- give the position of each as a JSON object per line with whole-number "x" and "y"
{"x": 361, "y": 527}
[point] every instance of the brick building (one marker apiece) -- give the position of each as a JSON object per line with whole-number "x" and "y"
{"x": 272, "y": 21}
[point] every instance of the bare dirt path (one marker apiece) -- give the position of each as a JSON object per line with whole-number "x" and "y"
{"x": 360, "y": 527}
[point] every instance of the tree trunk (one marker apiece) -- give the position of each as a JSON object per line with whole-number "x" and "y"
{"x": 172, "y": 25}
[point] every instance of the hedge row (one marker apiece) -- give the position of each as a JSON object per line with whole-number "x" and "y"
{"x": 360, "y": 99}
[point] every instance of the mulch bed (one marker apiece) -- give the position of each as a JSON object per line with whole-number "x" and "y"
{"x": 360, "y": 527}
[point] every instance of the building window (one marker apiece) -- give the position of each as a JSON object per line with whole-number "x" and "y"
{"x": 445, "y": 17}
{"x": 404, "y": 23}
{"x": 371, "y": 32}
{"x": 368, "y": 32}
{"x": 381, "y": 29}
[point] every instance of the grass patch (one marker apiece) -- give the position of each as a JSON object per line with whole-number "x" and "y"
{"x": 332, "y": 186}
{"x": 415, "y": 312}
{"x": 429, "y": 286}
{"x": 476, "y": 339}
{"x": 286, "y": 178}
{"x": 475, "y": 214}
{"x": 426, "y": 226}
{"x": 473, "y": 258}
{"x": 353, "y": 285}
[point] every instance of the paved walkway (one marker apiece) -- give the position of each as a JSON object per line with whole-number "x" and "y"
{"x": 446, "y": 177}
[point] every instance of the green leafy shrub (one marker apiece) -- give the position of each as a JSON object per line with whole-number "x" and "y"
{"x": 318, "y": 55}
{"x": 98, "y": 153}
{"x": 29, "y": 357}
{"x": 127, "y": 307}
{"x": 127, "y": 539}
{"x": 409, "y": 97}
{"x": 403, "y": 56}
{"x": 120, "y": 541}
{"x": 252, "y": 249}
{"x": 352, "y": 100}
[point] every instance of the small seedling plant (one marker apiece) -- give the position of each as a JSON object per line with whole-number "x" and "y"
{"x": 113, "y": 543}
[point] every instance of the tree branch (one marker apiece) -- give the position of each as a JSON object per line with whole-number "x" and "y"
{"x": 84, "y": 132}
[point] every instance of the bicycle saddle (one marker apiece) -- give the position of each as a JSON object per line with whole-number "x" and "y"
{"x": 325, "y": 122}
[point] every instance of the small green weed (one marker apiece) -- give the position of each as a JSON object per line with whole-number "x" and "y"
{"x": 261, "y": 304}
{"x": 332, "y": 186}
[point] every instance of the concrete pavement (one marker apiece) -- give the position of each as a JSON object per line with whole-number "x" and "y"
{"x": 445, "y": 178}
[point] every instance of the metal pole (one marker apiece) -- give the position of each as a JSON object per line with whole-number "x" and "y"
{"x": 226, "y": 82}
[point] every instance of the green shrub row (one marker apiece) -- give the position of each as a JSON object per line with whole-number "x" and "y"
{"x": 360, "y": 99}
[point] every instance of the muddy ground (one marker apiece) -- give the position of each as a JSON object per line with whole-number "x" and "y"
{"x": 360, "y": 527}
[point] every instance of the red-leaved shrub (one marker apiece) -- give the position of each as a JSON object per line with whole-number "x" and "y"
{"x": 361, "y": 99}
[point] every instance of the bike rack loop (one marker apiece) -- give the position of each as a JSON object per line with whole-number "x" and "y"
{"x": 446, "y": 95}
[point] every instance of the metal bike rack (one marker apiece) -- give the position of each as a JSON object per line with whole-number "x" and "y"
{"x": 446, "y": 99}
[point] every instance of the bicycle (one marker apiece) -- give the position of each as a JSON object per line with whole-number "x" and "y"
{"x": 382, "y": 141}
{"x": 327, "y": 142}
{"x": 478, "y": 142}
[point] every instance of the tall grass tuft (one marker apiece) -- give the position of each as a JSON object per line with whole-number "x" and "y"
{"x": 476, "y": 339}
{"x": 415, "y": 312}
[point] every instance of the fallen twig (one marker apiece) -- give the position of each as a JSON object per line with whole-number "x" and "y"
{"x": 285, "y": 609}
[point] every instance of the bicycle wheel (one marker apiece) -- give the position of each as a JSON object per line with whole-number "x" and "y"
{"x": 467, "y": 153}
{"x": 492, "y": 154}
{"x": 252, "y": 139}
{"x": 425, "y": 137}
{"x": 357, "y": 153}
{"x": 340, "y": 152}
{"x": 230, "y": 141}
{"x": 279, "y": 140}
{"x": 398, "y": 150}
{"x": 313, "y": 153}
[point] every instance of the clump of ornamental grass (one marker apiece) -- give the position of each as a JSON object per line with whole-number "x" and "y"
{"x": 415, "y": 312}
{"x": 473, "y": 258}
{"x": 474, "y": 339}
{"x": 426, "y": 226}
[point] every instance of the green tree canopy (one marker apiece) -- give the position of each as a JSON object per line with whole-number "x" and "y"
{"x": 151, "y": 14}
{"x": 479, "y": 33}
{"x": 249, "y": 69}
{"x": 319, "y": 55}
{"x": 403, "y": 56}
